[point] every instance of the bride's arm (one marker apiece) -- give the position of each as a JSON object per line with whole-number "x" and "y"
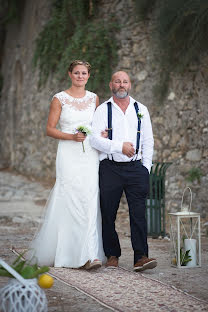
{"x": 53, "y": 118}
{"x": 104, "y": 133}
{"x": 97, "y": 101}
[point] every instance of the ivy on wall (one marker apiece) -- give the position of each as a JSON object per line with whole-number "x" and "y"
{"x": 73, "y": 32}
{"x": 194, "y": 174}
{"x": 180, "y": 34}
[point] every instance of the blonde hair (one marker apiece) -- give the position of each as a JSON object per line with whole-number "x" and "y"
{"x": 79, "y": 62}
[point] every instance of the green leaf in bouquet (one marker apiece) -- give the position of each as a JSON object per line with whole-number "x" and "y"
{"x": 84, "y": 130}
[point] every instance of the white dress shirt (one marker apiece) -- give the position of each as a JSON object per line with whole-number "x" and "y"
{"x": 124, "y": 129}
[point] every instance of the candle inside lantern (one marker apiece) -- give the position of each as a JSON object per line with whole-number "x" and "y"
{"x": 190, "y": 244}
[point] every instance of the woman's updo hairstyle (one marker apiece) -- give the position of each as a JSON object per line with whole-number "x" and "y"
{"x": 79, "y": 62}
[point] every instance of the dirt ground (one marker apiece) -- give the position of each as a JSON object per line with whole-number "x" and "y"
{"x": 21, "y": 205}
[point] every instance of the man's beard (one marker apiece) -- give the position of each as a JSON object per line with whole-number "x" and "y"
{"x": 120, "y": 94}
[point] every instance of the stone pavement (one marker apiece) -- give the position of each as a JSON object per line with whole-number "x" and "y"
{"x": 21, "y": 205}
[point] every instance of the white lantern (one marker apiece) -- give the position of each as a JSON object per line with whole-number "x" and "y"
{"x": 185, "y": 237}
{"x": 21, "y": 295}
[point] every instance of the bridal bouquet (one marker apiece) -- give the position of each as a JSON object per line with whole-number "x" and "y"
{"x": 85, "y": 131}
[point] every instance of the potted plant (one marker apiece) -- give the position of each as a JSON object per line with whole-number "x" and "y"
{"x": 22, "y": 292}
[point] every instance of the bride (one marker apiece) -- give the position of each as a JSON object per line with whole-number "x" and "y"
{"x": 70, "y": 235}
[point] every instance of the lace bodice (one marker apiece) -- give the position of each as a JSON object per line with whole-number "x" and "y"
{"x": 76, "y": 111}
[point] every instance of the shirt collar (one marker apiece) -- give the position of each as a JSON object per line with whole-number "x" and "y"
{"x": 131, "y": 103}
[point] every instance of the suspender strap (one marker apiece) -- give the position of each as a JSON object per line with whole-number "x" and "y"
{"x": 109, "y": 120}
{"x": 110, "y": 134}
{"x": 138, "y": 128}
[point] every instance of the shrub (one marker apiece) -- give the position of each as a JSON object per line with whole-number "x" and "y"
{"x": 194, "y": 174}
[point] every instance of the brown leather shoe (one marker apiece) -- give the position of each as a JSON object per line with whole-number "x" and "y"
{"x": 145, "y": 263}
{"x": 112, "y": 262}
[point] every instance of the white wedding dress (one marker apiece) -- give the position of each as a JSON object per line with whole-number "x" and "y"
{"x": 71, "y": 231}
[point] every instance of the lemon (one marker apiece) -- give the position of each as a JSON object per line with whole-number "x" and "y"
{"x": 45, "y": 281}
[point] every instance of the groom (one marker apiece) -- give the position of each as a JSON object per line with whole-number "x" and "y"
{"x": 125, "y": 163}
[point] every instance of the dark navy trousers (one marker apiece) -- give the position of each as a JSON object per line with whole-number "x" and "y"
{"x": 132, "y": 178}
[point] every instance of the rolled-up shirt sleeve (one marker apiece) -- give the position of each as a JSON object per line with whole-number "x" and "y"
{"x": 99, "y": 124}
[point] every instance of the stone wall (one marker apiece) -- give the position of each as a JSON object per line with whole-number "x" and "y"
{"x": 24, "y": 107}
{"x": 180, "y": 124}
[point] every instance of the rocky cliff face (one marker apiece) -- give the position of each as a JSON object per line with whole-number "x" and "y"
{"x": 24, "y": 107}
{"x": 180, "y": 124}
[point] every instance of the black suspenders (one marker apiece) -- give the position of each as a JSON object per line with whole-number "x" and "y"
{"x": 138, "y": 128}
{"x": 110, "y": 132}
{"x": 109, "y": 120}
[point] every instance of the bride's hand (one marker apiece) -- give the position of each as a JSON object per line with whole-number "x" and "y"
{"x": 79, "y": 137}
{"x": 104, "y": 134}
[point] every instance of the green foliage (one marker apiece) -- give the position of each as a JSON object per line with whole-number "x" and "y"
{"x": 24, "y": 268}
{"x": 84, "y": 130}
{"x": 180, "y": 34}
{"x": 93, "y": 43}
{"x": 184, "y": 257}
{"x": 74, "y": 33}
{"x": 140, "y": 115}
{"x": 194, "y": 174}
